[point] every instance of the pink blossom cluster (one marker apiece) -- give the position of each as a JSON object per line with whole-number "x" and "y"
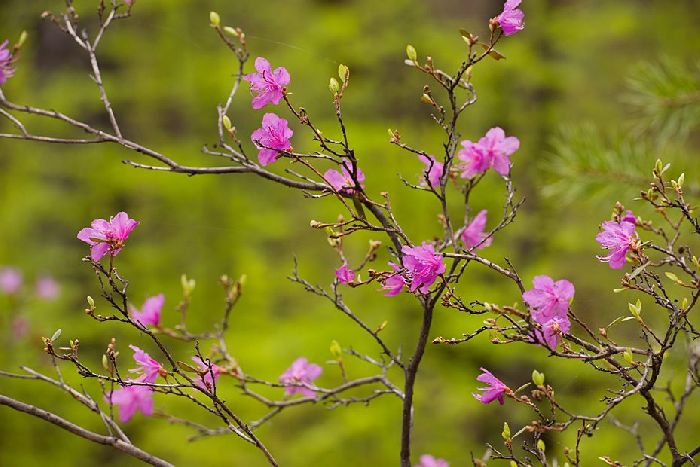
{"x": 299, "y": 376}
{"x": 342, "y": 181}
{"x": 138, "y": 397}
{"x": 149, "y": 314}
{"x": 495, "y": 389}
{"x": 107, "y": 237}
{"x": 422, "y": 265}
{"x": 433, "y": 170}
{"x": 209, "y": 373}
{"x": 491, "y": 151}
{"x": 426, "y": 460}
{"x": 11, "y": 281}
{"x": 344, "y": 274}
{"x": 618, "y": 238}
{"x": 473, "y": 235}
{"x": 549, "y": 304}
{"x": 511, "y": 19}
{"x": 268, "y": 86}
{"x": 6, "y": 69}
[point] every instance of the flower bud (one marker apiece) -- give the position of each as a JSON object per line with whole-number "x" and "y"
{"x": 227, "y": 122}
{"x": 334, "y": 86}
{"x": 513, "y": 464}
{"x": 231, "y": 31}
{"x": 537, "y": 378}
{"x": 56, "y": 335}
{"x": 540, "y": 445}
{"x": 506, "y": 431}
{"x": 343, "y": 72}
{"x": 22, "y": 39}
{"x": 91, "y": 301}
{"x": 411, "y": 53}
{"x": 214, "y": 18}
{"x": 627, "y": 355}
{"x": 336, "y": 350}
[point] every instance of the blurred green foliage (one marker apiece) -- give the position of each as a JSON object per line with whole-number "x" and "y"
{"x": 166, "y": 71}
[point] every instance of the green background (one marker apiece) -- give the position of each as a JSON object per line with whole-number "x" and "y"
{"x": 165, "y": 71}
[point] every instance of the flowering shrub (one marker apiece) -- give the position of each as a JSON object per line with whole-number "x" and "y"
{"x": 426, "y": 271}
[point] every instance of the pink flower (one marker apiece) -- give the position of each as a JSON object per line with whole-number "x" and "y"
{"x": 495, "y": 389}
{"x": 272, "y": 138}
{"x": 426, "y": 460}
{"x": 207, "y": 381}
{"x": 6, "y": 70}
{"x": 132, "y": 399}
{"x": 433, "y": 170}
{"x": 344, "y": 274}
{"x": 551, "y": 330}
{"x": 617, "y": 237}
{"x": 424, "y": 266}
{"x": 473, "y": 234}
{"x": 475, "y": 159}
{"x": 301, "y": 372}
{"x": 267, "y": 84}
{"x": 343, "y": 182}
{"x": 150, "y": 311}
{"x": 394, "y": 283}
{"x": 107, "y": 237}
{"x": 548, "y": 299}
{"x": 511, "y": 19}
{"x": 10, "y": 280}
{"x": 493, "y": 150}
{"x": 47, "y": 288}
{"x": 148, "y": 367}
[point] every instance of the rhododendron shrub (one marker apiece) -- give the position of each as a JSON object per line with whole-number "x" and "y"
{"x": 426, "y": 273}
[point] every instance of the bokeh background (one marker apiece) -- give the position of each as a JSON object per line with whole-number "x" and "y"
{"x": 564, "y": 82}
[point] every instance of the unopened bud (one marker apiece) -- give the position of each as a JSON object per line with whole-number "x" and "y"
{"x": 91, "y": 302}
{"x": 22, "y": 39}
{"x": 334, "y": 86}
{"x": 343, "y": 72}
{"x": 214, "y": 18}
{"x": 537, "y": 378}
{"x": 426, "y": 99}
{"x": 336, "y": 350}
{"x": 627, "y": 355}
{"x": 540, "y": 445}
{"x": 227, "y": 122}
{"x": 411, "y": 53}
{"x": 506, "y": 431}
{"x": 231, "y": 31}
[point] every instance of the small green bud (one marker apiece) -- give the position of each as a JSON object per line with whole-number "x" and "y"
{"x": 635, "y": 309}
{"x": 336, "y": 350}
{"x": 411, "y": 53}
{"x": 227, "y": 122}
{"x": 231, "y": 31}
{"x": 658, "y": 167}
{"x": 334, "y": 86}
{"x": 343, "y": 72}
{"x": 618, "y": 290}
{"x": 22, "y": 39}
{"x": 681, "y": 179}
{"x": 672, "y": 276}
{"x": 91, "y": 301}
{"x": 540, "y": 445}
{"x": 627, "y": 355}
{"x": 56, "y": 335}
{"x": 105, "y": 362}
{"x": 506, "y": 431}
{"x": 214, "y": 18}
{"x": 426, "y": 99}
{"x": 537, "y": 378}
{"x": 684, "y": 303}
{"x": 513, "y": 464}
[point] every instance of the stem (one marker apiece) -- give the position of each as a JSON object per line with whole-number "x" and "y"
{"x": 116, "y": 443}
{"x": 411, "y": 372}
